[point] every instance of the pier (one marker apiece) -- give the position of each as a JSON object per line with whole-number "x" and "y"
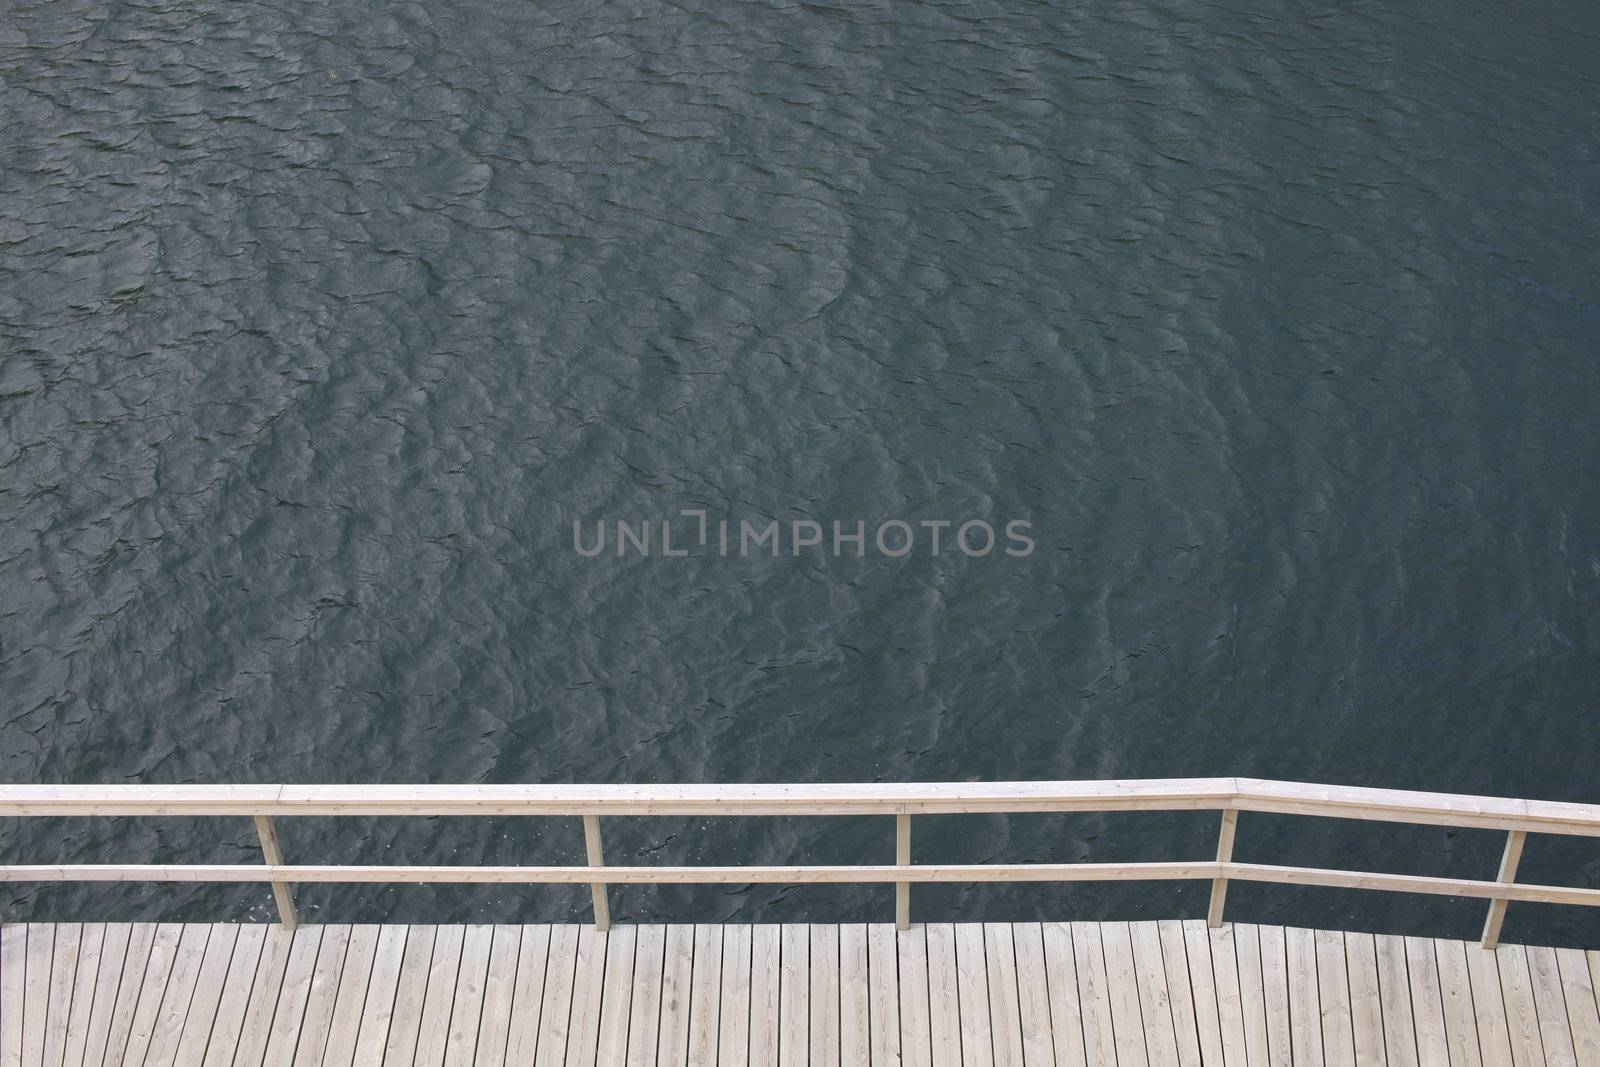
{"x": 1192, "y": 991}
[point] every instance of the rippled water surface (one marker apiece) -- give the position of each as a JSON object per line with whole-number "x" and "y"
{"x": 322, "y": 322}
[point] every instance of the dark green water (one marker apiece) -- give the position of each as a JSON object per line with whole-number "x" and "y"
{"x": 322, "y": 323}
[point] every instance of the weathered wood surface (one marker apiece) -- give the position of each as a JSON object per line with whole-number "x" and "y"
{"x": 797, "y": 875}
{"x": 878, "y": 798}
{"x": 1002, "y": 994}
{"x": 1229, "y": 796}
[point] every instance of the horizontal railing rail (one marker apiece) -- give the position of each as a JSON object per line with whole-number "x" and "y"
{"x": 1229, "y": 796}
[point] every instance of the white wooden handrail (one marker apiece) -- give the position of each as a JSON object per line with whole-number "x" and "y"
{"x": 1229, "y": 796}
{"x": 868, "y": 799}
{"x": 1151, "y": 794}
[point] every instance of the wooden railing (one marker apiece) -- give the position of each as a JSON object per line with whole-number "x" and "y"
{"x": 1229, "y": 796}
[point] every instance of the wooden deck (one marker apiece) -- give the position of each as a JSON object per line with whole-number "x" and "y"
{"x": 1155, "y": 993}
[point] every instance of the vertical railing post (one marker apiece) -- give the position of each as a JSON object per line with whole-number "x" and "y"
{"x": 591, "y": 845}
{"x": 281, "y": 893}
{"x": 902, "y": 857}
{"x": 1219, "y": 886}
{"x": 1508, "y": 874}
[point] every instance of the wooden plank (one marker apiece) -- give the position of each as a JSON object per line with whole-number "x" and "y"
{"x": 272, "y": 854}
{"x": 1033, "y": 996}
{"x": 450, "y": 874}
{"x": 1397, "y": 805}
{"x": 814, "y": 874}
{"x": 1260, "y": 1042}
{"x": 107, "y": 991}
{"x": 1305, "y": 1014}
{"x": 1550, "y": 1001}
{"x": 63, "y": 978}
{"x": 433, "y": 1029}
{"x": 217, "y": 1047}
{"x": 916, "y": 1029}
{"x": 855, "y": 1017}
{"x": 13, "y": 985}
{"x": 527, "y": 998}
{"x": 1333, "y": 994}
{"x": 175, "y": 1005}
{"x": 1460, "y": 1015}
{"x": 1180, "y": 991}
{"x": 794, "y": 985}
{"x": 595, "y": 855}
{"x": 1582, "y": 1018}
{"x": 499, "y": 993}
{"x": 555, "y": 1016}
{"x": 316, "y": 1021}
{"x": 972, "y": 990}
{"x": 383, "y": 988}
{"x": 1275, "y": 989}
{"x": 616, "y": 1000}
{"x": 90, "y": 946}
{"x": 1094, "y": 989}
{"x": 1213, "y": 794}
{"x": 1427, "y": 1003}
{"x": 1366, "y": 1000}
{"x": 466, "y": 1011}
{"x": 705, "y": 989}
{"x": 47, "y": 1044}
{"x": 1488, "y": 1002}
{"x": 1510, "y": 857}
{"x": 823, "y": 1041}
{"x": 30, "y": 974}
{"x": 109, "y": 1034}
{"x": 392, "y": 1011}
{"x": 1592, "y": 957}
{"x": 677, "y": 977}
{"x": 588, "y": 981}
{"x": 35, "y": 1003}
{"x": 902, "y": 856}
{"x": 873, "y": 798}
{"x": 1230, "y": 1006}
{"x": 1005, "y": 1008}
{"x": 147, "y": 1003}
{"x": 1219, "y": 886}
{"x": 1283, "y": 875}
{"x": 733, "y": 1021}
{"x": 883, "y": 995}
{"x": 1066, "y": 1000}
{"x": 255, "y": 1026}
{"x": 189, "y": 1036}
{"x": 1522, "y": 1017}
{"x": 765, "y": 962}
{"x": 1122, "y": 982}
{"x": 1155, "y": 1002}
{"x": 411, "y": 989}
{"x": 361, "y": 952}
{"x": 1196, "y": 938}
{"x": 944, "y": 996}
{"x": 1394, "y": 986}
{"x": 293, "y": 996}
{"x": 644, "y": 1013}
